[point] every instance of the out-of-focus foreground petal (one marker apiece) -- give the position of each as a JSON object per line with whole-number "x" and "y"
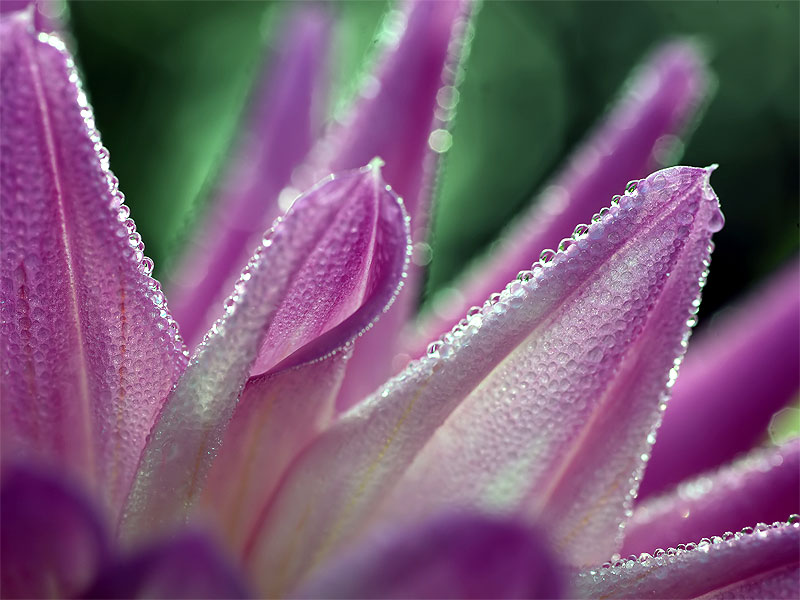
{"x": 557, "y": 383}
{"x": 320, "y": 277}
{"x": 743, "y": 370}
{"x": 278, "y": 137}
{"x": 186, "y": 567}
{"x": 51, "y": 539}
{"x": 764, "y": 486}
{"x": 664, "y": 95}
{"x": 394, "y": 118}
{"x": 88, "y": 348}
{"x": 450, "y": 556}
{"x": 46, "y": 13}
{"x": 735, "y": 560}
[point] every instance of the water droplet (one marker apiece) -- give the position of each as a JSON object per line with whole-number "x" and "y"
{"x": 631, "y": 187}
{"x": 440, "y": 140}
{"x": 717, "y": 220}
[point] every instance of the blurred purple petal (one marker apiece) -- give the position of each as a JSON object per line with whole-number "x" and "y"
{"x": 567, "y": 367}
{"x": 46, "y": 13}
{"x": 320, "y": 277}
{"x": 52, "y": 540}
{"x": 451, "y": 556}
{"x": 189, "y": 567}
{"x": 662, "y": 97}
{"x": 698, "y": 568}
{"x": 782, "y": 584}
{"x": 88, "y": 349}
{"x": 743, "y": 369}
{"x": 764, "y": 486}
{"x": 279, "y": 136}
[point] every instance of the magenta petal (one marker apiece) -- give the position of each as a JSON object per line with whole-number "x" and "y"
{"x": 530, "y": 401}
{"x": 451, "y": 556}
{"x": 782, "y": 584}
{"x": 320, "y": 277}
{"x": 52, "y": 541}
{"x": 663, "y": 95}
{"x": 46, "y": 13}
{"x": 279, "y": 137}
{"x": 712, "y": 565}
{"x": 743, "y": 369}
{"x": 764, "y": 486}
{"x": 87, "y": 346}
{"x": 189, "y": 567}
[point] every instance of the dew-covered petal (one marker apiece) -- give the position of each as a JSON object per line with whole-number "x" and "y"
{"x": 449, "y": 556}
{"x": 52, "y": 539}
{"x": 188, "y": 566}
{"x": 394, "y": 118}
{"x": 642, "y": 133}
{"x": 781, "y": 584}
{"x": 277, "y": 138}
{"x": 560, "y": 380}
{"x": 88, "y": 349}
{"x": 764, "y": 486}
{"x": 321, "y": 276}
{"x": 697, "y": 568}
{"x": 743, "y": 369}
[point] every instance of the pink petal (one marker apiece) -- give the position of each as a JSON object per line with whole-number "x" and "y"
{"x": 320, "y": 278}
{"x": 764, "y": 486}
{"x": 88, "y": 348}
{"x": 279, "y": 137}
{"x": 662, "y": 97}
{"x": 451, "y": 556}
{"x": 393, "y": 119}
{"x": 696, "y": 569}
{"x": 52, "y": 539}
{"x": 46, "y": 13}
{"x": 554, "y": 378}
{"x": 742, "y": 370}
{"x": 776, "y": 585}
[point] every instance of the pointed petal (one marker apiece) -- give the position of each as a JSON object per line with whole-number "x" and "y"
{"x": 782, "y": 584}
{"x": 663, "y": 95}
{"x": 88, "y": 348}
{"x": 451, "y": 556}
{"x": 557, "y": 376}
{"x": 696, "y": 569}
{"x": 279, "y": 137}
{"x": 189, "y": 566}
{"x": 742, "y": 370}
{"x": 51, "y": 538}
{"x": 764, "y": 486}
{"x": 394, "y": 118}
{"x": 322, "y": 275}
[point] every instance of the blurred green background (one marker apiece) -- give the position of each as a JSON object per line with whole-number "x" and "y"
{"x": 169, "y": 81}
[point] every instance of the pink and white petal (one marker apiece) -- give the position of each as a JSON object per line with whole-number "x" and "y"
{"x": 449, "y": 556}
{"x": 52, "y": 539}
{"x": 321, "y": 276}
{"x": 279, "y": 136}
{"x": 693, "y": 570}
{"x": 89, "y": 350}
{"x": 604, "y": 320}
{"x": 780, "y": 584}
{"x": 742, "y": 370}
{"x": 764, "y": 486}
{"x": 663, "y": 96}
{"x": 188, "y": 566}
{"x": 394, "y": 118}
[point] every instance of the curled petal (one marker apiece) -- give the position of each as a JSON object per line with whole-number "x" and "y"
{"x": 321, "y": 276}
{"x": 530, "y": 401}
{"x": 88, "y": 349}
{"x": 764, "y": 486}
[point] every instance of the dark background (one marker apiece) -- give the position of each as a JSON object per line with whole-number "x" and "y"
{"x": 169, "y": 80}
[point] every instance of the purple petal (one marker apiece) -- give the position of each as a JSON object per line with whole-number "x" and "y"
{"x": 394, "y": 119}
{"x": 783, "y": 584}
{"x": 88, "y": 348}
{"x": 664, "y": 94}
{"x": 51, "y": 538}
{"x": 764, "y": 486}
{"x": 280, "y": 133}
{"x": 451, "y": 556}
{"x": 46, "y": 13}
{"x": 697, "y": 569}
{"x": 551, "y": 381}
{"x": 189, "y": 566}
{"x": 741, "y": 372}
{"x": 321, "y": 276}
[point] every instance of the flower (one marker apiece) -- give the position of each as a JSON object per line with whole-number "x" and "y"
{"x": 542, "y": 403}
